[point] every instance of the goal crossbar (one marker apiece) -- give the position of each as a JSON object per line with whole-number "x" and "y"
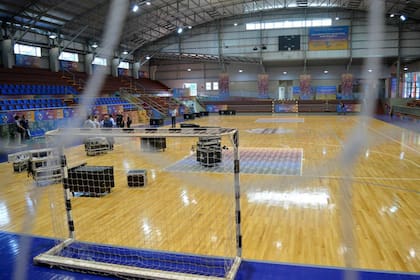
{"x": 143, "y": 132}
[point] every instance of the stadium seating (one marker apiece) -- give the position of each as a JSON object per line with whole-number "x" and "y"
{"x": 30, "y": 104}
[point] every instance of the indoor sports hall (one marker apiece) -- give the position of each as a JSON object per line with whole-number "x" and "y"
{"x": 196, "y": 139}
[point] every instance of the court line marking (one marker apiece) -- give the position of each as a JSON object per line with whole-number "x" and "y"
{"x": 393, "y": 139}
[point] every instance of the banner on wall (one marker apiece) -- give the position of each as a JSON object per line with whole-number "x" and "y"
{"x": 346, "y": 91}
{"x": 143, "y": 74}
{"x": 4, "y": 118}
{"x": 328, "y": 38}
{"x": 223, "y": 84}
{"x": 115, "y": 109}
{"x": 68, "y": 112}
{"x": 100, "y": 110}
{"x": 347, "y": 84}
{"x": 28, "y": 61}
{"x": 263, "y": 85}
{"x": 305, "y": 87}
{"x": 285, "y": 108}
{"x": 122, "y": 72}
{"x": 30, "y": 116}
{"x": 215, "y": 108}
{"x": 68, "y": 65}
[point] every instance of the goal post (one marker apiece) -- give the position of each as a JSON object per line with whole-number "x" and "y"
{"x": 134, "y": 259}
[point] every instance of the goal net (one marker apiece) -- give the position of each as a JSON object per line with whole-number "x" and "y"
{"x": 158, "y": 205}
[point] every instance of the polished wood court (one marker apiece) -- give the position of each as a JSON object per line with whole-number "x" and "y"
{"x": 295, "y": 219}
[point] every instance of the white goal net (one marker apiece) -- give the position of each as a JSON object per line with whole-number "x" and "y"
{"x": 155, "y": 206}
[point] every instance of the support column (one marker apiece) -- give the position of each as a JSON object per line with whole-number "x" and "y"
{"x": 114, "y": 66}
{"x": 54, "y": 53}
{"x": 136, "y": 68}
{"x": 7, "y": 53}
{"x": 88, "y": 63}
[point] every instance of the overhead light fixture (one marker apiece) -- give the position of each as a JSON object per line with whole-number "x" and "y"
{"x": 125, "y": 52}
{"x": 135, "y": 8}
{"x": 405, "y": 68}
{"x": 147, "y": 57}
{"x": 235, "y": 24}
{"x": 148, "y": 3}
{"x": 189, "y": 26}
{"x": 284, "y": 72}
{"x": 240, "y": 70}
{"x": 391, "y": 15}
{"x": 337, "y": 18}
{"x": 52, "y": 36}
{"x": 370, "y": 70}
{"x": 403, "y": 17}
{"x": 255, "y": 49}
{"x": 180, "y": 30}
{"x": 264, "y": 47}
{"x": 189, "y": 69}
{"x": 94, "y": 45}
{"x": 325, "y": 71}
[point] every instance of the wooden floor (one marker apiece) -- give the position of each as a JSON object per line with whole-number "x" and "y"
{"x": 286, "y": 218}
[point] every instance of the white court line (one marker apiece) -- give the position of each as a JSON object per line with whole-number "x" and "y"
{"x": 394, "y": 140}
{"x": 366, "y": 178}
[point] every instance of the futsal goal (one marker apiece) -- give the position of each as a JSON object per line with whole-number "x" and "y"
{"x": 144, "y": 226}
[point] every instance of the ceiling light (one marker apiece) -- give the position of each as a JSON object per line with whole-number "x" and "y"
{"x": 325, "y": 71}
{"x": 402, "y": 17}
{"x": 391, "y": 15}
{"x": 337, "y": 18}
{"x": 405, "y": 68}
{"x": 94, "y": 45}
{"x": 189, "y": 26}
{"x": 148, "y": 3}
{"x": 235, "y": 24}
{"x": 179, "y": 30}
{"x": 189, "y": 69}
{"x": 135, "y": 8}
{"x": 147, "y": 57}
{"x": 255, "y": 49}
{"x": 264, "y": 47}
{"x": 125, "y": 52}
{"x": 285, "y": 73}
{"x": 240, "y": 70}
{"x": 370, "y": 70}
{"x": 52, "y": 36}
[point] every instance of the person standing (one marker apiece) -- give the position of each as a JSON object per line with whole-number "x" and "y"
{"x": 174, "y": 112}
{"x": 20, "y": 129}
{"x": 25, "y": 124}
{"x": 89, "y": 122}
{"x": 96, "y": 122}
{"x": 107, "y": 123}
{"x": 129, "y": 121}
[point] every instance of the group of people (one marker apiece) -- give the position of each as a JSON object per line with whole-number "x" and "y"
{"x": 107, "y": 122}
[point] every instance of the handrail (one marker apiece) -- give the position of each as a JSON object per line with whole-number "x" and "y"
{"x": 71, "y": 74}
{"x": 127, "y": 94}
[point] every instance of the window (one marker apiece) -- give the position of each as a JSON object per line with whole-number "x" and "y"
{"x": 192, "y": 87}
{"x": 411, "y": 86}
{"x": 27, "y": 50}
{"x": 212, "y": 85}
{"x": 289, "y": 24}
{"x": 124, "y": 65}
{"x": 99, "y": 61}
{"x": 69, "y": 56}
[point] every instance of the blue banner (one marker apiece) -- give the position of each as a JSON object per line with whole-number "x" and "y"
{"x": 328, "y": 38}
